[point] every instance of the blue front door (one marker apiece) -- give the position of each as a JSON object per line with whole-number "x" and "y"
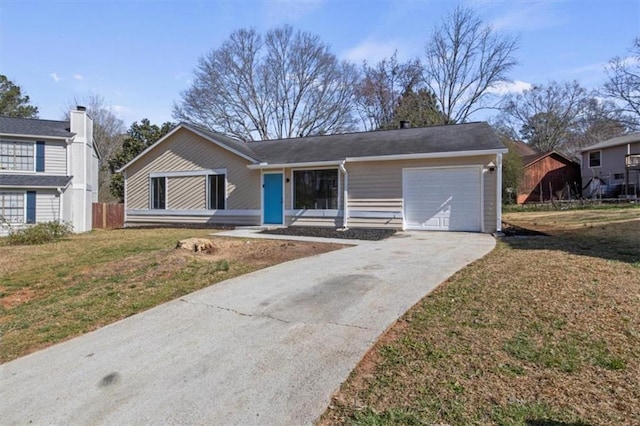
{"x": 272, "y": 190}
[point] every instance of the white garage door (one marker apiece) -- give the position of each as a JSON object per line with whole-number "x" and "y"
{"x": 442, "y": 199}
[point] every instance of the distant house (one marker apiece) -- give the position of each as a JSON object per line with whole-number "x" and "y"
{"x": 546, "y": 176}
{"x": 612, "y": 168}
{"x": 433, "y": 178}
{"x": 48, "y": 171}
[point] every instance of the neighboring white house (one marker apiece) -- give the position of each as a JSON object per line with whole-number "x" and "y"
{"x": 48, "y": 171}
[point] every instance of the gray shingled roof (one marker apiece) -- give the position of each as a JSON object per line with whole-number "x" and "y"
{"x": 34, "y": 181}
{"x": 34, "y": 127}
{"x": 333, "y": 148}
{"x": 419, "y": 140}
{"x": 620, "y": 140}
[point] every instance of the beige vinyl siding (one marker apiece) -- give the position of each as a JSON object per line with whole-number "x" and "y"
{"x": 141, "y": 220}
{"x": 185, "y": 151}
{"x": 332, "y": 222}
{"x": 392, "y": 223}
{"x": 186, "y": 193}
{"x": 377, "y": 187}
{"x": 490, "y": 200}
{"x": 47, "y": 206}
{"x": 55, "y": 158}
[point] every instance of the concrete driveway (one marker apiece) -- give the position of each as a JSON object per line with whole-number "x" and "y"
{"x": 265, "y": 348}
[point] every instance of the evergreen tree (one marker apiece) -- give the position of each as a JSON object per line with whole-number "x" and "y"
{"x": 139, "y": 137}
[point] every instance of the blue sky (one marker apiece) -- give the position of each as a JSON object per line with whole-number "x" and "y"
{"x": 139, "y": 54}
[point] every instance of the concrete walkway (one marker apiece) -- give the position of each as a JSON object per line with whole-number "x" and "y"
{"x": 267, "y": 348}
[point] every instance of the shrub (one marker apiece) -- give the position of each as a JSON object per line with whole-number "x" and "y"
{"x": 40, "y": 233}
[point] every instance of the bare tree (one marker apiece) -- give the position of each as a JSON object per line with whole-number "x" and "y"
{"x": 108, "y": 134}
{"x": 464, "y": 59}
{"x": 561, "y": 116}
{"x": 623, "y": 85}
{"x": 600, "y": 120}
{"x": 381, "y": 87}
{"x": 545, "y": 116}
{"x": 282, "y": 85}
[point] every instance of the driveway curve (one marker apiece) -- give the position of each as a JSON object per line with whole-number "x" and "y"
{"x": 266, "y": 348}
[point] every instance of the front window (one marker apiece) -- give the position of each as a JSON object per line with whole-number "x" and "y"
{"x": 315, "y": 189}
{"x": 594, "y": 159}
{"x": 16, "y": 156}
{"x": 11, "y": 207}
{"x": 158, "y": 193}
{"x": 216, "y": 192}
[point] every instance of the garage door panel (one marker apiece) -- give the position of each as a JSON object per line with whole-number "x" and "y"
{"x": 442, "y": 199}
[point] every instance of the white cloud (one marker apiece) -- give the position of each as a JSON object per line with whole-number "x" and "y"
{"x": 54, "y": 77}
{"x": 78, "y": 76}
{"x": 509, "y": 87}
{"x": 120, "y": 109}
{"x": 370, "y": 50}
{"x": 536, "y": 16}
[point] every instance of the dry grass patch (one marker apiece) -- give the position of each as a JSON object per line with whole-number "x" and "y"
{"x": 53, "y": 292}
{"x": 541, "y": 331}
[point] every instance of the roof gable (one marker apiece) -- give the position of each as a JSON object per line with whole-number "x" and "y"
{"x": 522, "y": 149}
{"x": 35, "y": 127}
{"x": 231, "y": 145}
{"x": 530, "y": 159}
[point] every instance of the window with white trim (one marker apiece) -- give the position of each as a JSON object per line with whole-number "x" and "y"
{"x": 16, "y": 156}
{"x": 158, "y": 193}
{"x": 12, "y": 207}
{"x": 315, "y": 189}
{"x": 595, "y": 158}
{"x": 216, "y": 191}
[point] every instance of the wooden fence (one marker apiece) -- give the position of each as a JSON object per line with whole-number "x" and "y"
{"x": 108, "y": 215}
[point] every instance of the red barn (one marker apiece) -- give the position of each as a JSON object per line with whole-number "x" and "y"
{"x": 549, "y": 175}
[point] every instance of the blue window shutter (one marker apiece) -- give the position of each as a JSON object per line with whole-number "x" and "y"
{"x": 31, "y": 206}
{"x": 39, "y": 156}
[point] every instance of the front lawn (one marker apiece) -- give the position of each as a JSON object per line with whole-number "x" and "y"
{"x": 51, "y": 292}
{"x": 544, "y": 330}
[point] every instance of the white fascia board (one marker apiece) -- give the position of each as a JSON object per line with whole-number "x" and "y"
{"x": 27, "y": 188}
{"x": 17, "y": 135}
{"x": 294, "y": 165}
{"x": 187, "y": 173}
{"x": 420, "y": 156}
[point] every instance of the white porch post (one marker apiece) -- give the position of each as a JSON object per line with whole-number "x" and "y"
{"x": 499, "y": 193}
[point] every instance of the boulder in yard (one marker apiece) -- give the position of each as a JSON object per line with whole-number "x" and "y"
{"x": 197, "y": 245}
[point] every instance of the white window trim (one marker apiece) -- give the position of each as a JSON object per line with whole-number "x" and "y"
{"x": 166, "y": 192}
{"x": 293, "y": 190}
{"x": 217, "y": 172}
{"x": 33, "y": 144}
{"x": 187, "y": 173}
{"x": 589, "y": 159}
{"x": 24, "y": 206}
